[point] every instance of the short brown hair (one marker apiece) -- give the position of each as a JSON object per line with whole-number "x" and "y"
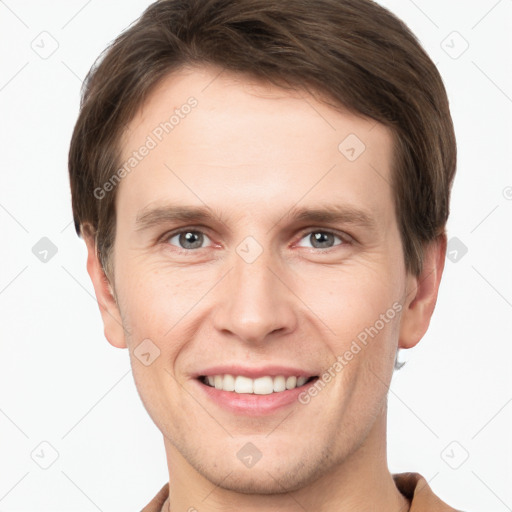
{"x": 353, "y": 52}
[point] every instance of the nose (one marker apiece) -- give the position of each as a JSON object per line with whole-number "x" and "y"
{"x": 255, "y": 301}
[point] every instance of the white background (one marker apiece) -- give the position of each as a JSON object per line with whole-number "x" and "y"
{"x": 62, "y": 383}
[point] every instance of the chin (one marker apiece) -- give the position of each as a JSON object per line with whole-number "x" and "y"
{"x": 263, "y": 482}
{"x": 278, "y": 476}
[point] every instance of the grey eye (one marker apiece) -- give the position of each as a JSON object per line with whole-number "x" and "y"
{"x": 321, "y": 239}
{"x": 189, "y": 239}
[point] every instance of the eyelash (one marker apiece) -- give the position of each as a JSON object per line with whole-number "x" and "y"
{"x": 345, "y": 238}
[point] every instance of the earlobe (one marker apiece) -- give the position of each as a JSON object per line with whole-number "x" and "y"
{"x": 110, "y": 314}
{"x": 421, "y": 295}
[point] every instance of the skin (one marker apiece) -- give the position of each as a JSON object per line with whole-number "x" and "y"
{"x": 251, "y": 152}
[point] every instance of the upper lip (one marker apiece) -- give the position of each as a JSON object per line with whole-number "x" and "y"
{"x": 254, "y": 373}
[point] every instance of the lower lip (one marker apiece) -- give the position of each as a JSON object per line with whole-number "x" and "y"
{"x": 251, "y": 404}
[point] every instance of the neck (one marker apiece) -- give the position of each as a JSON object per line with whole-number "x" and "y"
{"x": 360, "y": 482}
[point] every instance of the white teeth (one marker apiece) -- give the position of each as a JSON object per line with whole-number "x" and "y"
{"x": 291, "y": 382}
{"x": 243, "y": 385}
{"x": 279, "y": 383}
{"x": 260, "y": 386}
{"x": 228, "y": 383}
{"x": 301, "y": 381}
{"x": 263, "y": 386}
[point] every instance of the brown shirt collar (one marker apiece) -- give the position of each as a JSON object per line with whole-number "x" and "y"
{"x": 412, "y": 485}
{"x": 415, "y": 488}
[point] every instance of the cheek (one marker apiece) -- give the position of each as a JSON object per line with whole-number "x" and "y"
{"x": 364, "y": 315}
{"x": 153, "y": 306}
{"x": 153, "y": 302}
{"x": 349, "y": 299}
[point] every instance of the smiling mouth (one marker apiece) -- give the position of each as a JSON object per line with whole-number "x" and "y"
{"x": 259, "y": 386}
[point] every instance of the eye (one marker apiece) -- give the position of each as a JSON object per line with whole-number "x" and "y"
{"x": 187, "y": 239}
{"x": 321, "y": 239}
{"x": 190, "y": 239}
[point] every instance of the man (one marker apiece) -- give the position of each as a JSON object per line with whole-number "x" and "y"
{"x": 263, "y": 188}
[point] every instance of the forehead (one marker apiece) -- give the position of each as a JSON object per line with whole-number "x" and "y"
{"x": 213, "y": 134}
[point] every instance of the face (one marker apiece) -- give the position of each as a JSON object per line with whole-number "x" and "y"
{"x": 256, "y": 248}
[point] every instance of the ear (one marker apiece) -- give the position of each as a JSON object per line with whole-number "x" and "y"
{"x": 421, "y": 294}
{"x": 112, "y": 322}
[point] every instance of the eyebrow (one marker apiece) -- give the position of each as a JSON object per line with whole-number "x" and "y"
{"x": 333, "y": 213}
